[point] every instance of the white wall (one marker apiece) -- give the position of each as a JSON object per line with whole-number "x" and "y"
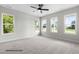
{"x": 61, "y": 35}
{"x": 23, "y": 25}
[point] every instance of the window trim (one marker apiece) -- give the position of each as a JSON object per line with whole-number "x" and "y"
{"x": 57, "y": 24}
{"x": 75, "y": 23}
{"x": 2, "y": 24}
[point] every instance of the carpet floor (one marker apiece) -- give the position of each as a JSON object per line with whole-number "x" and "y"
{"x": 38, "y": 45}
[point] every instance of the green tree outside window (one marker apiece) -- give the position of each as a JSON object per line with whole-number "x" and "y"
{"x": 8, "y": 26}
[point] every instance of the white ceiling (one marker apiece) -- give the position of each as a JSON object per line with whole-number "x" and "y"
{"x": 27, "y": 9}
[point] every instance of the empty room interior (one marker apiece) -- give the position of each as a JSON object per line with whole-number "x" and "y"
{"x": 39, "y": 28}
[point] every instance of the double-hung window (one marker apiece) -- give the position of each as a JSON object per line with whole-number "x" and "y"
{"x": 8, "y": 23}
{"x": 44, "y": 25}
{"x": 70, "y": 24}
{"x": 37, "y": 25}
{"x": 53, "y": 24}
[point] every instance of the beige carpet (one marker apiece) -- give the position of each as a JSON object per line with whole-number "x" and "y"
{"x": 38, "y": 45}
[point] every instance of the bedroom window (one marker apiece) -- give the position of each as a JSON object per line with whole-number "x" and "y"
{"x": 70, "y": 24}
{"x": 44, "y": 24}
{"x": 37, "y": 25}
{"x": 8, "y": 23}
{"x": 53, "y": 24}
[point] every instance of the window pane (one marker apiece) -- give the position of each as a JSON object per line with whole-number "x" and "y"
{"x": 7, "y": 19}
{"x": 8, "y": 25}
{"x": 44, "y": 23}
{"x": 70, "y": 24}
{"x": 8, "y": 28}
{"x": 53, "y": 24}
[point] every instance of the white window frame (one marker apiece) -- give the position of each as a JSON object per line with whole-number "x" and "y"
{"x": 2, "y": 24}
{"x": 42, "y": 25}
{"x": 75, "y": 23}
{"x": 57, "y": 24}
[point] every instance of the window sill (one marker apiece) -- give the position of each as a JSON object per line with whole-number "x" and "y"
{"x": 70, "y": 33}
{"x": 8, "y": 33}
